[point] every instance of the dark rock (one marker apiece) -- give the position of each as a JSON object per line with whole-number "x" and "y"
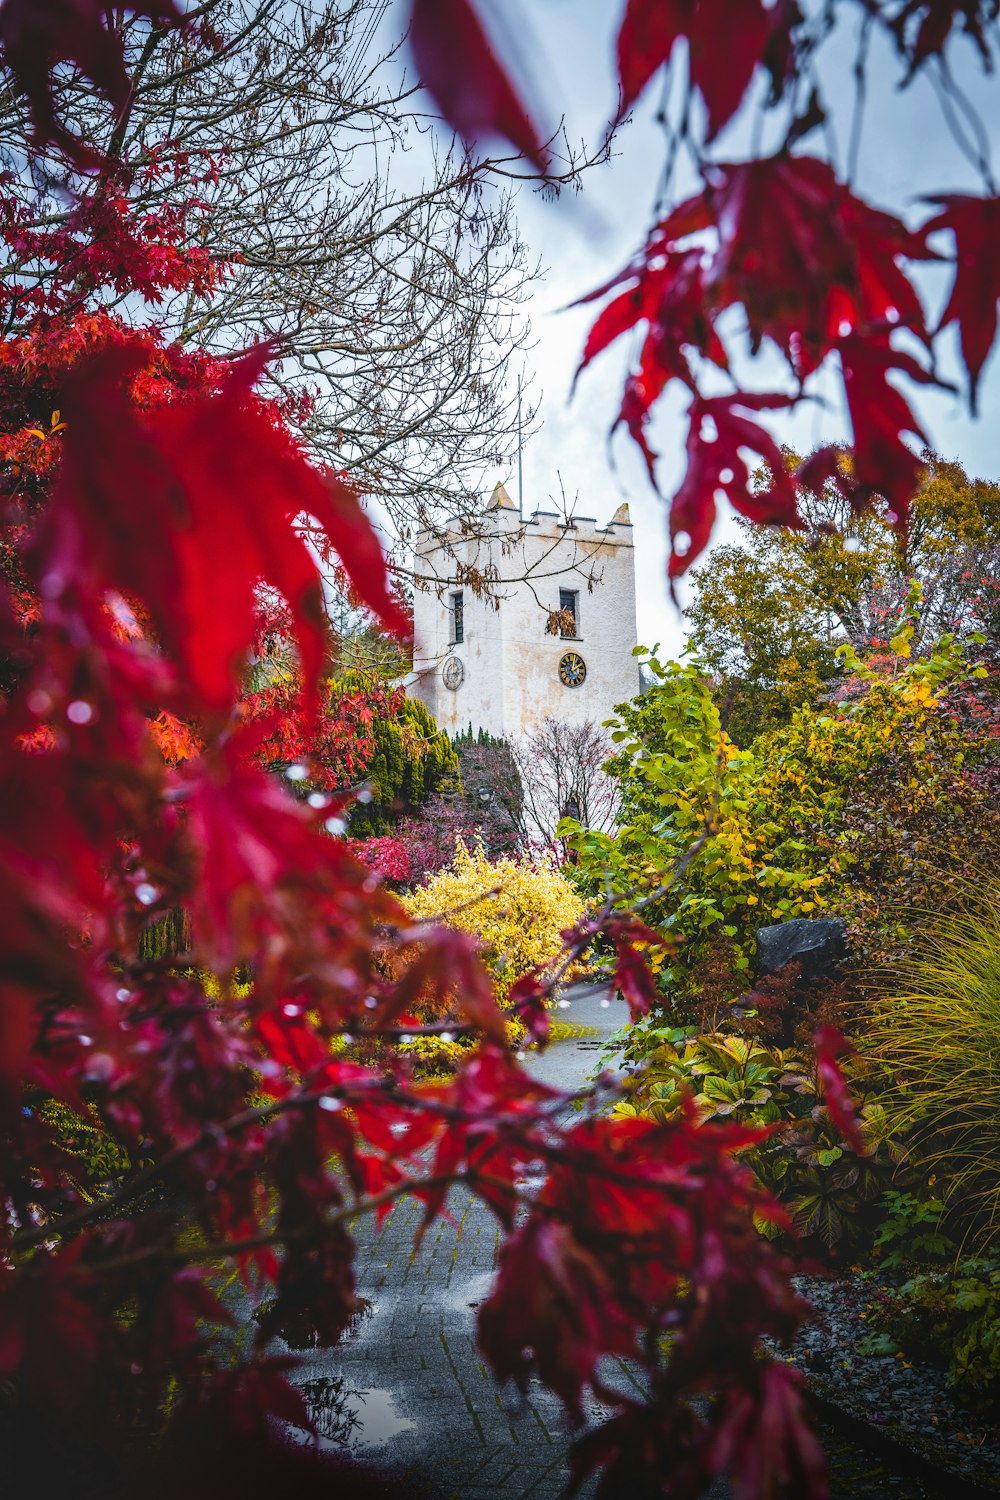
{"x": 819, "y": 944}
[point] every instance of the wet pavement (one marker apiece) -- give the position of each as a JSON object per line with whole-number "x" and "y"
{"x": 408, "y": 1389}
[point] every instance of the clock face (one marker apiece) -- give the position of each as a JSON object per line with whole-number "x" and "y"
{"x": 572, "y": 669}
{"x": 453, "y": 673}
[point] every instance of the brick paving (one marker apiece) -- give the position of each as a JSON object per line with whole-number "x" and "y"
{"x": 408, "y": 1389}
{"x": 429, "y": 1413}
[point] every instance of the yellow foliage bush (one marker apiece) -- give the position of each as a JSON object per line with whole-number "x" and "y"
{"x": 516, "y": 910}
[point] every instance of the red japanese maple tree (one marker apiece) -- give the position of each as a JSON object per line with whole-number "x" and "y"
{"x": 149, "y": 493}
{"x": 815, "y": 271}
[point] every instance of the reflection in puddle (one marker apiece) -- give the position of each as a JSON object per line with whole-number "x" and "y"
{"x": 343, "y": 1417}
{"x": 378, "y": 1420}
{"x": 331, "y": 1410}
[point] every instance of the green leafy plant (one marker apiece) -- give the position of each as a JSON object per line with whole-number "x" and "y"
{"x": 680, "y": 775}
{"x": 864, "y": 806}
{"x": 952, "y": 1318}
{"x": 829, "y": 1191}
{"x": 93, "y": 1162}
{"x": 911, "y": 1230}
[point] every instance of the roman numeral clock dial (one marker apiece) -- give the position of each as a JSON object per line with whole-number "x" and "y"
{"x": 572, "y": 669}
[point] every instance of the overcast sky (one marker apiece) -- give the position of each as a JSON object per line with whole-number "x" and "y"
{"x": 906, "y": 151}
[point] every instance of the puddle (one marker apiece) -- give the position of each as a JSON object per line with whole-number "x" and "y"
{"x": 377, "y": 1418}
{"x": 332, "y": 1410}
{"x": 469, "y": 1291}
{"x": 357, "y": 1419}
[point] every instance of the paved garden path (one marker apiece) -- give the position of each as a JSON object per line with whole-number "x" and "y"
{"x": 408, "y": 1388}
{"x": 420, "y": 1400}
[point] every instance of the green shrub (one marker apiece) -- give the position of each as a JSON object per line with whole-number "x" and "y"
{"x": 936, "y": 1034}
{"x": 951, "y": 1318}
{"x": 862, "y": 806}
{"x": 95, "y": 1163}
{"x": 677, "y": 769}
{"x": 411, "y": 759}
{"x": 911, "y": 1231}
{"x": 829, "y": 1192}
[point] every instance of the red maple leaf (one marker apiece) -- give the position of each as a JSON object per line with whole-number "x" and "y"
{"x": 808, "y": 259}
{"x": 459, "y": 68}
{"x": 880, "y": 414}
{"x": 975, "y": 223}
{"x": 721, "y": 73}
{"x": 36, "y": 35}
{"x": 265, "y": 876}
{"x": 765, "y": 1440}
{"x": 633, "y": 978}
{"x": 670, "y": 297}
{"x": 667, "y": 293}
{"x": 922, "y": 27}
{"x": 812, "y": 265}
{"x": 716, "y": 435}
{"x": 527, "y": 1001}
{"x": 553, "y": 1310}
{"x": 632, "y": 974}
{"x": 219, "y": 483}
{"x": 830, "y": 1045}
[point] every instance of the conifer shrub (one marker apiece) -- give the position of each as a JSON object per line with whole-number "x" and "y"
{"x": 411, "y": 760}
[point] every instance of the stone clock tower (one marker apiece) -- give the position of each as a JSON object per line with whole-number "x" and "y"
{"x": 487, "y": 659}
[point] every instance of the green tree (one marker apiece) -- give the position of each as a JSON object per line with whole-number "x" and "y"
{"x": 767, "y": 616}
{"x": 869, "y": 806}
{"x": 412, "y": 759}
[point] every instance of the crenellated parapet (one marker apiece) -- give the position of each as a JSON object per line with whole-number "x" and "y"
{"x": 518, "y": 619}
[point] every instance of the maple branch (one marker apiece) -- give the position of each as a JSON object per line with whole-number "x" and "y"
{"x": 304, "y": 1098}
{"x": 227, "y": 1249}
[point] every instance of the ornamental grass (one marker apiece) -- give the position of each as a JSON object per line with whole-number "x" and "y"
{"x": 936, "y": 1032}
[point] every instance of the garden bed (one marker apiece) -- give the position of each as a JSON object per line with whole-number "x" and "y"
{"x": 900, "y": 1408}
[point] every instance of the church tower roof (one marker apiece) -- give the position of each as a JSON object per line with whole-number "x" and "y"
{"x": 500, "y": 500}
